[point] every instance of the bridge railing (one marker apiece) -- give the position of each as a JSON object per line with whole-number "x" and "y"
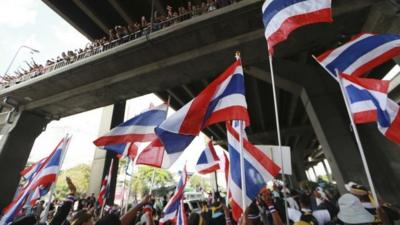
{"x": 151, "y": 28}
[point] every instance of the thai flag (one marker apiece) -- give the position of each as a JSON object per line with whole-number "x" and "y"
{"x": 208, "y": 161}
{"x": 171, "y": 209}
{"x": 105, "y": 186}
{"x": 29, "y": 172}
{"x": 258, "y": 169}
{"x": 129, "y": 149}
{"x": 223, "y": 100}
{"x": 389, "y": 125}
{"x": 155, "y": 155}
{"x": 367, "y": 97}
{"x": 281, "y": 17}
{"x": 361, "y": 54}
{"x": 46, "y": 176}
{"x": 182, "y": 216}
{"x": 137, "y": 129}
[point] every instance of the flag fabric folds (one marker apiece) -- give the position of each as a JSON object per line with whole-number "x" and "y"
{"x": 182, "y": 216}
{"x": 389, "y": 125}
{"x": 129, "y": 149}
{"x": 361, "y": 54}
{"x": 258, "y": 169}
{"x": 222, "y": 100}
{"x": 38, "y": 183}
{"x": 154, "y": 155}
{"x": 208, "y": 161}
{"x": 367, "y": 97}
{"x": 175, "y": 202}
{"x": 281, "y": 17}
{"x": 137, "y": 129}
{"x": 105, "y": 186}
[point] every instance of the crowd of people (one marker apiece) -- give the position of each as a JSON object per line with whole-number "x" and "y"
{"x": 308, "y": 205}
{"x": 116, "y": 36}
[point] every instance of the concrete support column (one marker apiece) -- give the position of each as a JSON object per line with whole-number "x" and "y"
{"x": 111, "y": 117}
{"x": 96, "y": 173}
{"x": 15, "y": 148}
{"x": 299, "y": 169}
{"x": 117, "y": 118}
{"x": 383, "y": 161}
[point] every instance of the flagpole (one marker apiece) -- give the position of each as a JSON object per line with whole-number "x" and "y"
{"x": 123, "y": 186}
{"x": 278, "y": 130}
{"x": 152, "y": 180}
{"x": 359, "y": 145}
{"x": 53, "y": 186}
{"x": 242, "y": 172}
{"x": 108, "y": 180}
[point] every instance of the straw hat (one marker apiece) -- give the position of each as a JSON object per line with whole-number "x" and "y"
{"x": 352, "y": 211}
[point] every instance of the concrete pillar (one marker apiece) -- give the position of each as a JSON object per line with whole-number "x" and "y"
{"x": 15, "y": 148}
{"x": 117, "y": 118}
{"x": 383, "y": 161}
{"x": 99, "y": 154}
{"x": 298, "y": 167}
{"x": 111, "y": 117}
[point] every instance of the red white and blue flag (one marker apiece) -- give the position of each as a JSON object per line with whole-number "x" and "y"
{"x": 281, "y": 17}
{"x": 361, "y": 54}
{"x": 41, "y": 180}
{"x": 105, "y": 185}
{"x": 175, "y": 202}
{"x": 208, "y": 161}
{"x": 367, "y": 97}
{"x": 182, "y": 216}
{"x": 222, "y": 100}
{"x": 155, "y": 155}
{"x": 389, "y": 125}
{"x": 140, "y": 128}
{"x": 258, "y": 169}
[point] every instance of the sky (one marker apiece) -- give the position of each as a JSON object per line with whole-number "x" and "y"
{"x": 32, "y": 23}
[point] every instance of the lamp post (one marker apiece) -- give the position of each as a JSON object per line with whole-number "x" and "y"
{"x": 16, "y": 53}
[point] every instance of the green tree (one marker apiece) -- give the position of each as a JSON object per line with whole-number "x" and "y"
{"x": 142, "y": 179}
{"x": 79, "y": 175}
{"x": 198, "y": 182}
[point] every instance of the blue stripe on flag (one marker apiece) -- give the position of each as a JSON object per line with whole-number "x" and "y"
{"x": 55, "y": 159}
{"x": 275, "y": 7}
{"x": 254, "y": 180}
{"x": 358, "y": 49}
{"x": 149, "y": 118}
{"x": 202, "y": 158}
{"x": 173, "y": 142}
{"x": 235, "y": 86}
{"x": 117, "y": 148}
{"x": 357, "y": 95}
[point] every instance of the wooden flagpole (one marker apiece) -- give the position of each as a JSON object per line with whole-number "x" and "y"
{"x": 359, "y": 145}
{"x": 278, "y": 130}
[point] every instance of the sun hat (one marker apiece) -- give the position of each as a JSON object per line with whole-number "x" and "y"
{"x": 356, "y": 189}
{"x": 351, "y": 210}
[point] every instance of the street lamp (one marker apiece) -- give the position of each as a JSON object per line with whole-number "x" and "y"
{"x": 32, "y": 51}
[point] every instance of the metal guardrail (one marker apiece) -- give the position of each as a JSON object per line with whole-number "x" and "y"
{"x": 109, "y": 45}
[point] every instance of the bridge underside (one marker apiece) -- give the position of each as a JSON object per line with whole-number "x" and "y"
{"x": 179, "y": 61}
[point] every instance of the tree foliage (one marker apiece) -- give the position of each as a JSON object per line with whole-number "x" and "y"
{"x": 79, "y": 175}
{"x": 141, "y": 182}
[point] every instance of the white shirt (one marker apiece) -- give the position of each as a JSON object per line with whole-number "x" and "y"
{"x": 322, "y": 216}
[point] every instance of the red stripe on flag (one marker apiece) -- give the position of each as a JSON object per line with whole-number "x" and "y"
{"x": 369, "y": 83}
{"x": 210, "y": 169}
{"x": 294, "y": 22}
{"x": 152, "y": 155}
{"x": 393, "y": 132}
{"x": 365, "y": 117}
{"x": 118, "y": 139}
{"x": 376, "y": 62}
{"x": 230, "y": 113}
{"x": 193, "y": 121}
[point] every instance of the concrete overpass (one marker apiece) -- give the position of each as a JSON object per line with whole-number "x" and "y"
{"x": 179, "y": 61}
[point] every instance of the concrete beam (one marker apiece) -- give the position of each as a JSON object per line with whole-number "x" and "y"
{"x": 267, "y": 136}
{"x": 68, "y": 19}
{"x": 155, "y": 66}
{"x": 121, "y": 11}
{"x": 97, "y": 20}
